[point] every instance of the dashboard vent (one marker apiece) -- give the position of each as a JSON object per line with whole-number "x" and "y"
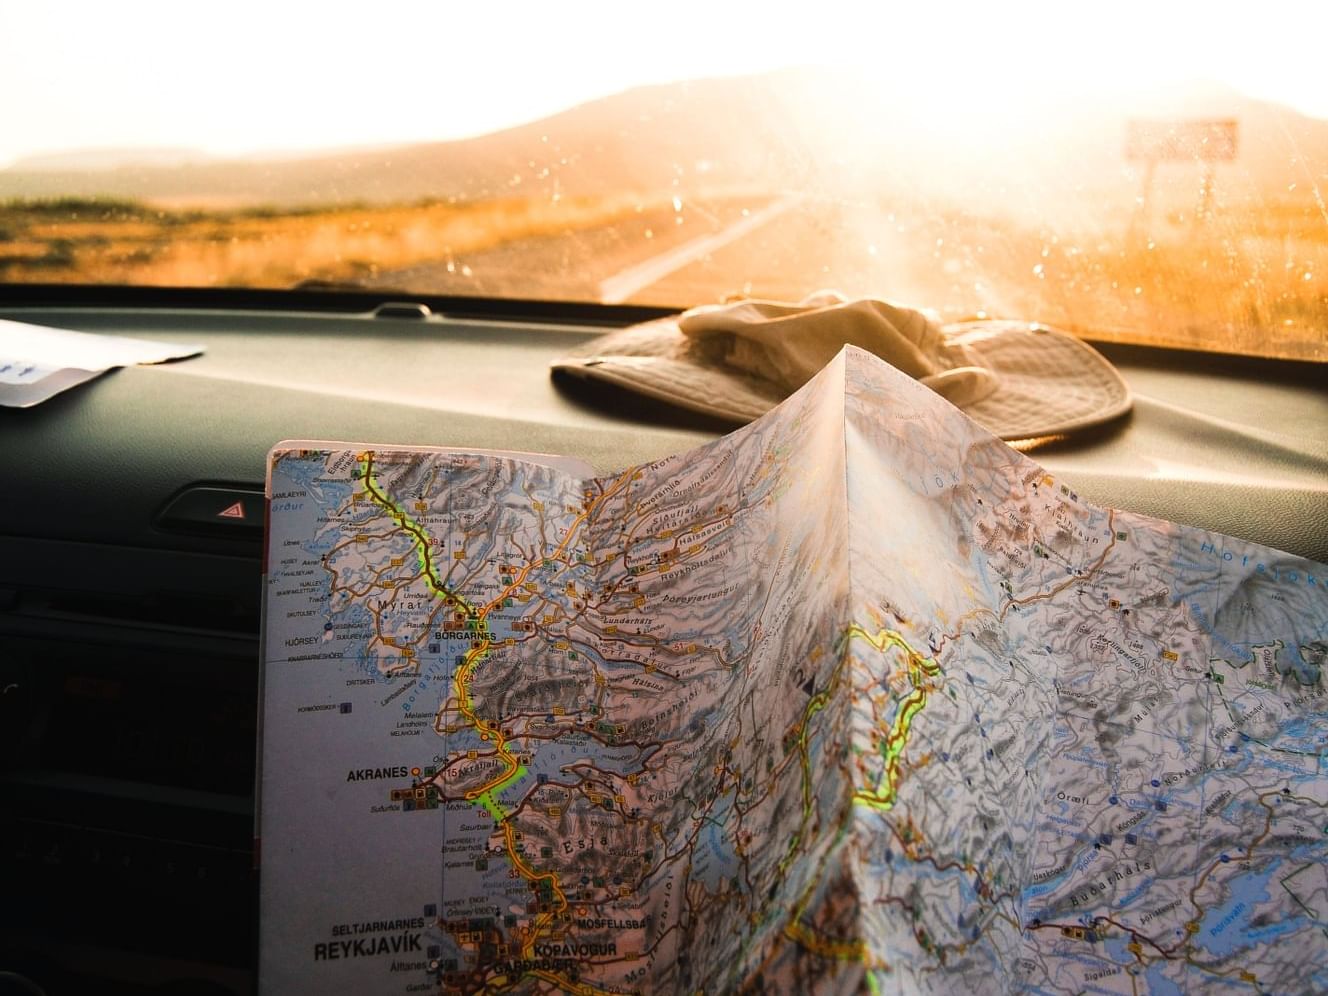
{"x": 165, "y": 609}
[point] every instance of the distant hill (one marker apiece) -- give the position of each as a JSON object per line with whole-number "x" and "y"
{"x": 644, "y": 139}
{"x": 88, "y": 160}
{"x": 805, "y": 129}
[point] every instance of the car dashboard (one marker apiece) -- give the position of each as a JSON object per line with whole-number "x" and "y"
{"x": 131, "y": 557}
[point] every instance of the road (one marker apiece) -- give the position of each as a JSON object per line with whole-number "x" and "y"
{"x": 1189, "y": 291}
{"x": 631, "y": 281}
{"x": 782, "y": 247}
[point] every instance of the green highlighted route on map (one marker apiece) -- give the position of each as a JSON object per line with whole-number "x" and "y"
{"x": 485, "y": 796}
{"x": 920, "y": 672}
{"x": 489, "y": 797}
{"x": 779, "y": 715}
{"x": 487, "y": 731}
{"x": 441, "y": 591}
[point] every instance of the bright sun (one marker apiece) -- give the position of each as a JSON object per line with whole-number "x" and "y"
{"x": 273, "y": 77}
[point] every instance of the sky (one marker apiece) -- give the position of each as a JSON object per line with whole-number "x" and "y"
{"x": 243, "y": 77}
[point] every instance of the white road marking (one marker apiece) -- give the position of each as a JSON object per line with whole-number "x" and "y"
{"x": 622, "y": 285}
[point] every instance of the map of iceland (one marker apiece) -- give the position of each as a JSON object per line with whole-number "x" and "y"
{"x": 856, "y": 698}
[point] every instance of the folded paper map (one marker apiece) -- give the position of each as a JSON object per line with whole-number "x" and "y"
{"x": 856, "y": 698}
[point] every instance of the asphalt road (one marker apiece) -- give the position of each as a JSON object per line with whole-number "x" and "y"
{"x": 789, "y": 245}
{"x": 782, "y": 247}
{"x": 573, "y": 264}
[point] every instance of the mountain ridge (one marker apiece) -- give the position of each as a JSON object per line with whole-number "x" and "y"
{"x": 795, "y": 129}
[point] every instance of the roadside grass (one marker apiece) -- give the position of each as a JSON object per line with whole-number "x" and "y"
{"x": 1252, "y": 279}
{"x": 1247, "y": 281}
{"x": 90, "y": 240}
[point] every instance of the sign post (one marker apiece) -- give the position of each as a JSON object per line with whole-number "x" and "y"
{"x": 1203, "y": 140}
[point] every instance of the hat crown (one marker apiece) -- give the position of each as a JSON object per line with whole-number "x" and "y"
{"x": 787, "y": 344}
{"x": 737, "y": 361}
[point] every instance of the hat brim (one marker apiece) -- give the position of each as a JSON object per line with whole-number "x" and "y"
{"x": 1049, "y": 383}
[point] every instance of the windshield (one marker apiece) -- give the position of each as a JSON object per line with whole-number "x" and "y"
{"x": 1146, "y": 172}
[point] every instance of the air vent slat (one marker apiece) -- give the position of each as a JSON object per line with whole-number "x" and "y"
{"x": 175, "y": 610}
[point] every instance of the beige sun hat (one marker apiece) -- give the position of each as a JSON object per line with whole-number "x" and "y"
{"x": 737, "y": 361}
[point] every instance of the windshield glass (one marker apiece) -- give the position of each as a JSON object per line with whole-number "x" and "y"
{"x": 1147, "y": 172}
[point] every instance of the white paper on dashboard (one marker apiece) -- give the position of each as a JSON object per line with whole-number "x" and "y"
{"x": 37, "y": 361}
{"x": 25, "y": 394}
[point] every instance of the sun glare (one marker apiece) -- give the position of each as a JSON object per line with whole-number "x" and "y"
{"x": 1146, "y": 170}
{"x": 979, "y": 70}
{"x": 275, "y": 77}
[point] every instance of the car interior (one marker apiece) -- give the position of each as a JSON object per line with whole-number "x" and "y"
{"x": 132, "y": 506}
{"x": 131, "y": 604}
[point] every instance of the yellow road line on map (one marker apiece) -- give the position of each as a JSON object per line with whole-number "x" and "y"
{"x": 463, "y": 676}
{"x": 920, "y": 670}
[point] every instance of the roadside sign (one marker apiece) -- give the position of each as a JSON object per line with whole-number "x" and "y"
{"x": 1203, "y": 140}
{"x": 1197, "y": 140}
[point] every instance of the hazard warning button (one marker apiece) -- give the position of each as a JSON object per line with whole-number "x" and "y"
{"x": 204, "y": 508}
{"x": 235, "y": 510}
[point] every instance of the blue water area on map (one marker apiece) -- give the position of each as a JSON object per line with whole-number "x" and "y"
{"x": 1159, "y": 984}
{"x": 433, "y": 672}
{"x": 1296, "y": 728}
{"x": 622, "y": 760}
{"x": 324, "y": 496}
{"x": 330, "y": 765}
{"x": 1304, "y": 734}
{"x": 1262, "y": 935}
{"x": 549, "y": 759}
{"x": 1295, "y": 769}
{"x": 715, "y": 858}
{"x": 1309, "y": 852}
{"x": 1306, "y": 673}
{"x": 1042, "y": 888}
{"x": 501, "y": 627}
{"x": 1116, "y": 948}
{"x": 1221, "y": 931}
{"x": 968, "y": 895}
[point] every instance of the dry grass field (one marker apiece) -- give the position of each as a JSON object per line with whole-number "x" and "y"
{"x": 1245, "y": 280}
{"x": 126, "y": 242}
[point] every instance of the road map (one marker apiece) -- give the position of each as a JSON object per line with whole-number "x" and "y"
{"x": 855, "y": 699}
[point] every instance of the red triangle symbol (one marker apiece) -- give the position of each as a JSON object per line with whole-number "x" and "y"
{"x": 235, "y": 511}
